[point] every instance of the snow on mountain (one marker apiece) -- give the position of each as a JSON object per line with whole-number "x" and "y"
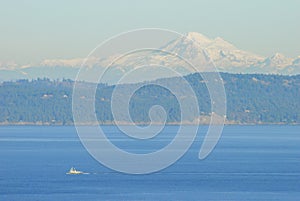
{"x": 194, "y": 47}
{"x": 8, "y": 65}
{"x": 225, "y": 55}
{"x": 198, "y": 37}
{"x": 75, "y": 62}
{"x": 278, "y": 61}
{"x": 294, "y": 68}
{"x": 296, "y": 62}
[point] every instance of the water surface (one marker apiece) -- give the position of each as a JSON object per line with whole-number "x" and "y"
{"x": 249, "y": 163}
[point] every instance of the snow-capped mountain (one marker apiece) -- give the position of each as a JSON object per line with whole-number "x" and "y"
{"x": 296, "y": 62}
{"x": 225, "y": 55}
{"x": 193, "y": 46}
{"x": 277, "y": 61}
{"x": 8, "y": 65}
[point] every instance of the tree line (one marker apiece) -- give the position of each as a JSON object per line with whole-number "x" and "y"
{"x": 251, "y": 98}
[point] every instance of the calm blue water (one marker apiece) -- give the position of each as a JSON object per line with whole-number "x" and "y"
{"x": 249, "y": 163}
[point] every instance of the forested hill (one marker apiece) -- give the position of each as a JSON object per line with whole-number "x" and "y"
{"x": 250, "y": 99}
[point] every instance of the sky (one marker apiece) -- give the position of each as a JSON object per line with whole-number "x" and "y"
{"x": 34, "y": 30}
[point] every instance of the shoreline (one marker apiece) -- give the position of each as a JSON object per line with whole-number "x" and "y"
{"x": 143, "y": 124}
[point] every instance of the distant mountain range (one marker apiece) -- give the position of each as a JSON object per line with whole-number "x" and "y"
{"x": 226, "y": 57}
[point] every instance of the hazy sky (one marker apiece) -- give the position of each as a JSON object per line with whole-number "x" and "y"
{"x": 35, "y": 30}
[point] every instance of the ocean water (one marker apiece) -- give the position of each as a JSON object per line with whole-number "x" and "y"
{"x": 248, "y": 163}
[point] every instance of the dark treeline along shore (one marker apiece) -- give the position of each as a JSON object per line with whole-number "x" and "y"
{"x": 251, "y": 99}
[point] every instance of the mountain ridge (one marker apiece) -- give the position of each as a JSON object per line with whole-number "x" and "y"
{"x": 226, "y": 57}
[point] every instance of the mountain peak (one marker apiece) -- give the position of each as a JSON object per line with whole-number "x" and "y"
{"x": 278, "y": 60}
{"x": 278, "y": 55}
{"x": 198, "y": 37}
{"x": 223, "y": 43}
{"x": 219, "y": 39}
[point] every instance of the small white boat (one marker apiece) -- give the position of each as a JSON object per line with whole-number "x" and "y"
{"x": 74, "y": 171}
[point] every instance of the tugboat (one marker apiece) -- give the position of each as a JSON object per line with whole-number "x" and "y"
{"x": 74, "y": 171}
